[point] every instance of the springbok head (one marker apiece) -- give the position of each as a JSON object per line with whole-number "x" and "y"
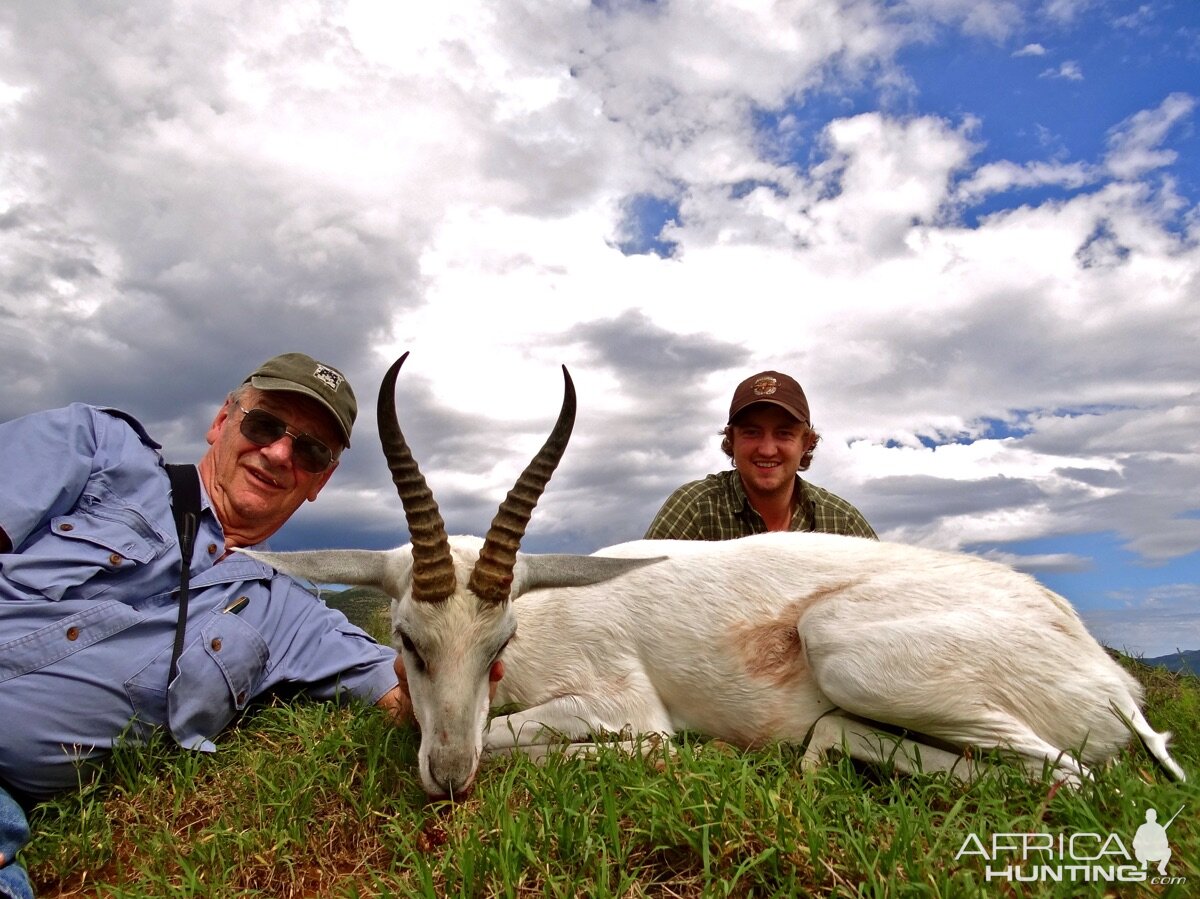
{"x": 455, "y": 620}
{"x": 451, "y": 609}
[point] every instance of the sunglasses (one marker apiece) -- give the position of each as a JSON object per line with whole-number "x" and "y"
{"x": 262, "y": 428}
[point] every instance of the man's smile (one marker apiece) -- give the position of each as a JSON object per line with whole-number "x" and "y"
{"x": 263, "y": 478}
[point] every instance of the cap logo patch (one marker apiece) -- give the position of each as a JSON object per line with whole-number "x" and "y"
{"x": 765, "y": 386}
{"x": 328, "y": 377}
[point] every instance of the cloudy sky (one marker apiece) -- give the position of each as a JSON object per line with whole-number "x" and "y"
{"x": 970, "y": 230}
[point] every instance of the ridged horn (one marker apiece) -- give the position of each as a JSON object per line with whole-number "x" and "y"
{"x": 491, "y": 579}
{"x": 433, "y": 569}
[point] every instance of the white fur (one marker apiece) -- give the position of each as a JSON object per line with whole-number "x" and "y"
{"x": 752, "y": 641}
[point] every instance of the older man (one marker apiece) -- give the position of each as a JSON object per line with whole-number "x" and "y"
{"x": 770, "y": 438}
{"x": 90, "y": 583}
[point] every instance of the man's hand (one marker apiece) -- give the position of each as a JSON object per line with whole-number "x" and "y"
{"x": 495, "y": 675}
{"x": 396, "y": 701}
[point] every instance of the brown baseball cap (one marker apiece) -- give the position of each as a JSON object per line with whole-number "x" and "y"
{"x": 298, "y": 373}
{"x": 770, "y": 387}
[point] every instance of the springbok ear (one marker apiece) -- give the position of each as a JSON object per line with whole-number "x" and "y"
{"x": 398, "y": 571}
{"x": 533, "y": 572}
{"x": 329, "y": 566}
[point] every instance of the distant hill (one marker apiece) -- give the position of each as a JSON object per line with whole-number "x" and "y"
{"x": 1186, "y": 662}
{"x": 364, "y": 606}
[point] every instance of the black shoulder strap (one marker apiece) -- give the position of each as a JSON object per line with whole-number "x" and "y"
{"x": 185, "y": 506}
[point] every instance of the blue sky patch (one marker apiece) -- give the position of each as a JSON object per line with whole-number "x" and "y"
{"x": 1114, "y": 577}
{"x": 645, "y": 216}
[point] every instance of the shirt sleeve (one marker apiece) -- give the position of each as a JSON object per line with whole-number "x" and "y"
{"x": 325, "y": 655}
{"x": 46, "y": 459}
{"x": 856, "y": 526}
{"x": 678, "y": 519}
{"x": 833, "y": 515}
{"x": 283, "y": 641}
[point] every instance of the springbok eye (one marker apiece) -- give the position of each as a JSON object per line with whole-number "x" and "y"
{"x": 411, "y": 648}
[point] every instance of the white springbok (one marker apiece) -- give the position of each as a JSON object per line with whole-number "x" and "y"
{"x": 749, "y": 640}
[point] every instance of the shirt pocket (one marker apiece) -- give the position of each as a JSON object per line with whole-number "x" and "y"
{"x": 64, "y": 637}
{"x": 84, "y": 553}
{"x": 218, "y": 675}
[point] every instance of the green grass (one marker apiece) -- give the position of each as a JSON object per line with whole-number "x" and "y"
{"x": 311, "y": 800}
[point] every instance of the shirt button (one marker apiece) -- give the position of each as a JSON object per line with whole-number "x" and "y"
{"x": 66, "y": 526}
{"x": 212, "y": 549}
{"x": 72, "y": 634}
{"x": 115, "y": 559}
{"x": 241, "y": 698}
{"x": 216, "y": 644}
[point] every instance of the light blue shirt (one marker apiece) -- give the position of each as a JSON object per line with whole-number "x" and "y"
{"x": 89, "y": 603}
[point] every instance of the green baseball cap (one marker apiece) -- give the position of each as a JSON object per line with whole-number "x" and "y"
{"x": 299, "y": 373}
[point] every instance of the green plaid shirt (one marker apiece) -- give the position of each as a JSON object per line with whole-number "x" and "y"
{"x": 716, "y": 508}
